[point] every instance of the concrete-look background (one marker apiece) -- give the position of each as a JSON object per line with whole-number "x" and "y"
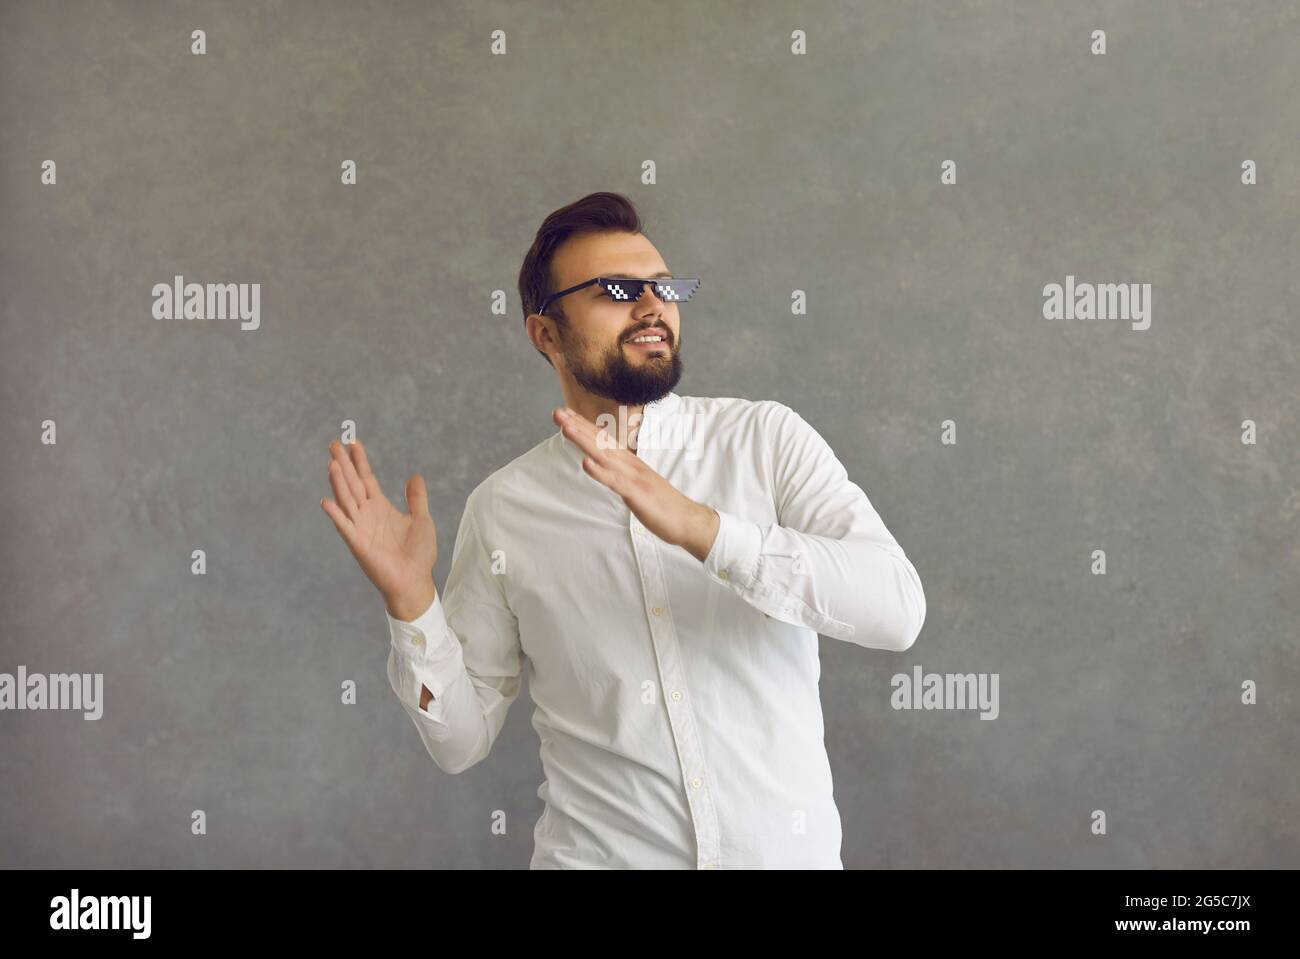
{"x": 775, "y": 173}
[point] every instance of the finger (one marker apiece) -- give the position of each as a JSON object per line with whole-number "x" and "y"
{"x": 362, "y": 463}
{"x": 349, "y": 472}
{"x": 601, "y": 474}
{"x": 576, "y": 420}
{"x": 417, "y": 497}
{"x": 344, "y": 525}
{"x": 341, "y": 491}
{"x": 602, "y": 436}
{"x": 585, "y": 435}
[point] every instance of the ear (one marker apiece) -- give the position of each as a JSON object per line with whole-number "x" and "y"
{"x": 541, "y": 331}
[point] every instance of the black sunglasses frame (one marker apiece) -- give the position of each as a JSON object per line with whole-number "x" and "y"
{"x": 602, "y": 280}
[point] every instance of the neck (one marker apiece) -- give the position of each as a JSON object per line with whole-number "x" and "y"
{"x": 623, "y": 428}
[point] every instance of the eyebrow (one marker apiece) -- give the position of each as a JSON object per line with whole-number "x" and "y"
{"x": 652, "y": 276}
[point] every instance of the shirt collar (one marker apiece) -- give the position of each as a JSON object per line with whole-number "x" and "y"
{"x": 661, "y": 408}
{"x": 658, "y": 412}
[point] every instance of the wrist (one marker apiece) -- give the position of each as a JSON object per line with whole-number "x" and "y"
{"x": 413, "y": 603}
{"x": 703, "y": 531}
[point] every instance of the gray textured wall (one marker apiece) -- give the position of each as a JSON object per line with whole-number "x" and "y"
{"x": 775, "y": 172}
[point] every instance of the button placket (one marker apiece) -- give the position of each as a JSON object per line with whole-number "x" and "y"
{"x": 681, "y": 716}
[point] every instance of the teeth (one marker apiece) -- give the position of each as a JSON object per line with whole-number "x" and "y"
{"x": 648, "y": 339}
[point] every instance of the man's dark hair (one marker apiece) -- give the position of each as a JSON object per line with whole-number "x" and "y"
{"x": 594, "y": 213}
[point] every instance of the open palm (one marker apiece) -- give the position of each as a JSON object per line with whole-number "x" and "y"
{"x": 396, "y": 550}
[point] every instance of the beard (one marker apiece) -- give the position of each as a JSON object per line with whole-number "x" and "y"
{"x": 612, "y": 376}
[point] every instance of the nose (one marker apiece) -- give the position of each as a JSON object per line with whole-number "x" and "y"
{"x": 648, "y": 287}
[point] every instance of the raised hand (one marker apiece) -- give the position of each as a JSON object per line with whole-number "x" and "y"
{"x": 664, "y": 510}
{"x": 396, "y": 550}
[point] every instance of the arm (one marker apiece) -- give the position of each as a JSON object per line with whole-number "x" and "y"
{"x": 455, "y": 668}
{"x": 828, "y": 563}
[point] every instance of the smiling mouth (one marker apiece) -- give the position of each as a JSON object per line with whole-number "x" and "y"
{"x": 649, "y": 340}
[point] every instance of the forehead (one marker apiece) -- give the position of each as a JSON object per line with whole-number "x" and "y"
{"x": 605, "y": 254}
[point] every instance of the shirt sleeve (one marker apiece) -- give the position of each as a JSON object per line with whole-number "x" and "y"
{"x": 466, "y": 652}
{"x": 829, "y": 563}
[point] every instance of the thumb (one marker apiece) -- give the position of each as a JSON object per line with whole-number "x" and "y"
{"x": 417, "y": 497}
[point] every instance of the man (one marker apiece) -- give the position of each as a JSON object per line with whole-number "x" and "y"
{"x": 668, "y": 594}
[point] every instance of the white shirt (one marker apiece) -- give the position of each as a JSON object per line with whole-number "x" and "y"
{"x": 677, "y": 702}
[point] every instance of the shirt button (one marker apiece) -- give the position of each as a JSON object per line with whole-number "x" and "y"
{"x": 722, "y": 574}
{"x": 695, "y": 783}
{"x": 658, "y": 610}
{"x": 676, "y": 695}
{"x": 417, "y": 640}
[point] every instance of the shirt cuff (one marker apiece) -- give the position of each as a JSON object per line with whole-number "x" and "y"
{"x": 733, "y": 558}
{"x": 428, "y": 653}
